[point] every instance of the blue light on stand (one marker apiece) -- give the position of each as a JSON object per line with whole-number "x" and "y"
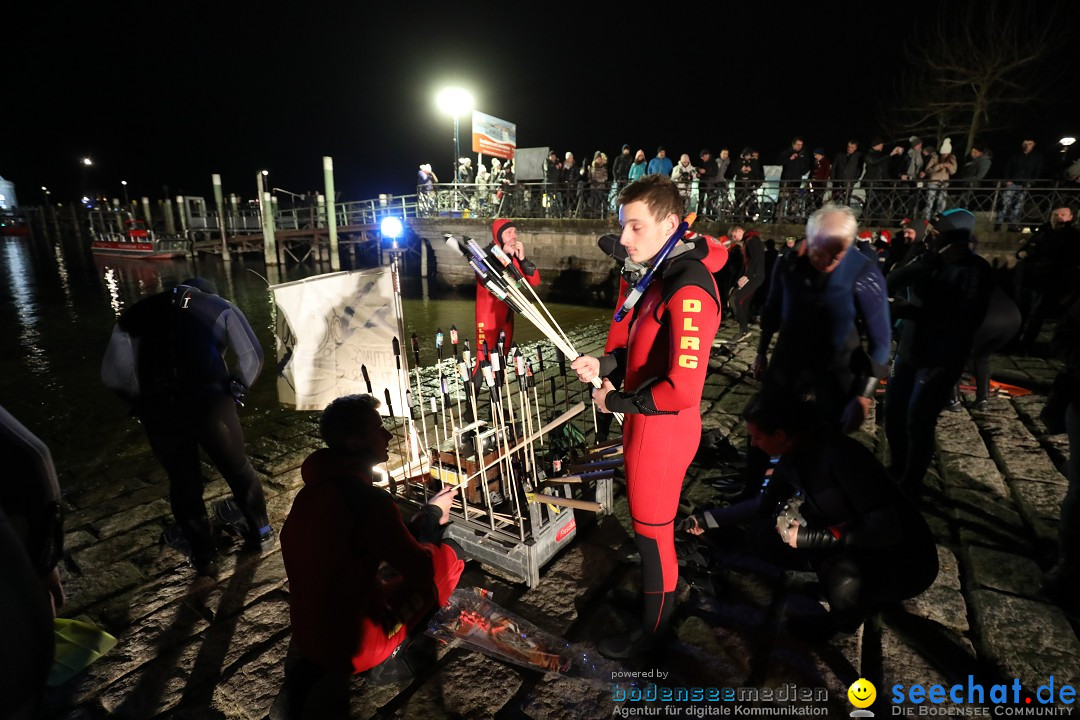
{"x": 391, "y": 228}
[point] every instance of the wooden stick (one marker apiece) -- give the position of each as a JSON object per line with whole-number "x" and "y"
{"x": 608, "y": 453}
{"x": 595, "y": 466}
{"x": 589, "y": 505}
{"x": 566, "y": 416}
{"x": 577, "y": 479}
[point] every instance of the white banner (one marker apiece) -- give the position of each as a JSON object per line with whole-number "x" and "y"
{"x": 331, "y": 326}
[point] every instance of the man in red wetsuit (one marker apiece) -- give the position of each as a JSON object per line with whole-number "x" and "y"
{"x": 345, "y": 618}
{"x": 662, "y": 351}
{"x": 493, "y": 315}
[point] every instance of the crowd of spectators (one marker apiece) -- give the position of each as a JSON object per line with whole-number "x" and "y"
{"x": 884, "y": 180}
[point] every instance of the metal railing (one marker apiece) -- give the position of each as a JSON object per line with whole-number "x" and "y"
{"x": 768, "y": 201}
{"x": 523, "y": 199}
{"x": 247, "y": 220}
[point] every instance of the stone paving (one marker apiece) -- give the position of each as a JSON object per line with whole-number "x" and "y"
{"x": 200, "y": 648}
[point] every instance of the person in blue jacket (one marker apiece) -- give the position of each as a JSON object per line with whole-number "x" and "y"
{"x": 823, "y": 299}
{"x": 661, "y": 164}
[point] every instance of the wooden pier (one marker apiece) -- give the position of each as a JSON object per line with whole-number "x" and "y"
{"x": 296, "y": 245}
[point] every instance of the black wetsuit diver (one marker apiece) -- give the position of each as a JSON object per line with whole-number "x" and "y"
{"x": 949, "y": 288}
{"x": 166, "y": 357}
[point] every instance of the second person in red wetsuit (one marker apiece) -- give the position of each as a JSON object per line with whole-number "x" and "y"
{"x": 493, "y": 316}
{"x": 662, "y": 349}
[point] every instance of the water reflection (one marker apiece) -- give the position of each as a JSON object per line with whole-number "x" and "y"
{"x": 128, "y": 280}
{"x": 65, "y": 282}
{"x": 20, "y": 273}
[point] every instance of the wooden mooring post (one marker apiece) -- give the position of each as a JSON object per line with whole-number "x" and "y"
{"x": 269, "y": 244}
{"x": 219, "y": 198}
{"x": 331, "y": 212}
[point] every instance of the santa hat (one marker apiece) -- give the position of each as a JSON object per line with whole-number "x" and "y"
{"x": 885, "y": 235}
{"x": 865, "y": 236}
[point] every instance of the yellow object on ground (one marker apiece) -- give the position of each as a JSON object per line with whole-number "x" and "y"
{"x": 78, "y": 645}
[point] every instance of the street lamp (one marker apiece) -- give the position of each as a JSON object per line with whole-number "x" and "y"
{"x": 123, "y": 187}
{"x": 46, "y": 193}
{"x": 455, "y": 101}
{"x": 86, "y": 164}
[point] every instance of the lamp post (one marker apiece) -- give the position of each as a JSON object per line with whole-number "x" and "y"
{"x": 45, "y": 192}
{"x": 86, "y": 163}
{"x": 123, "y": 188}
{"x": 292, "y": 196}
{"x": 455, "y": 101}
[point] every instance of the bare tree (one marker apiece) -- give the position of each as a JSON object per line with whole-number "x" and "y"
{"x": 974, "y": 65}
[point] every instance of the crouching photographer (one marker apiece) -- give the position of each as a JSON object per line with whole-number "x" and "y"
{"x": 828, "y": 507}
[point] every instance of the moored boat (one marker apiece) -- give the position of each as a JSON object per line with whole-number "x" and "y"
{"x": 12, "y": 224}
{"x": 119, "y": 234}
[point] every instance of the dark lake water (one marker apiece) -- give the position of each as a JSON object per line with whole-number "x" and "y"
{"x": 58, "y": 304}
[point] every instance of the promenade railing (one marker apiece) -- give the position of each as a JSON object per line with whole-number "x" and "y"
{"x": 760, "y": 201}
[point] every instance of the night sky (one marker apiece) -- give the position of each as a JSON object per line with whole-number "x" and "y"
{"x": 165, "y": 97}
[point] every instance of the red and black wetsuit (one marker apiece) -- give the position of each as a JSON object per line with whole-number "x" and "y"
{"x": 663, "y": 352}
{"x": 493, "y": 315}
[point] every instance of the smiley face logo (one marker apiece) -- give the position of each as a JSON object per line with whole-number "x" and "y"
{"x": 862, "y": 693}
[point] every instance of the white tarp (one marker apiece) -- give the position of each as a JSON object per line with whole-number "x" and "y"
{"x": 328, "y": 326}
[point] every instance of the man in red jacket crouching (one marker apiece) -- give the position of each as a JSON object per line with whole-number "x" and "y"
{"x": 345, "y": 618}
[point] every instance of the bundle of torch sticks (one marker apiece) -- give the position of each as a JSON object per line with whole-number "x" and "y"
{"x": 496, "y": 272}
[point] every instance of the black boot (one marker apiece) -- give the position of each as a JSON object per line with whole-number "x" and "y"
{"x": 646, "y": 641}
{"x": 633, "y": 645}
